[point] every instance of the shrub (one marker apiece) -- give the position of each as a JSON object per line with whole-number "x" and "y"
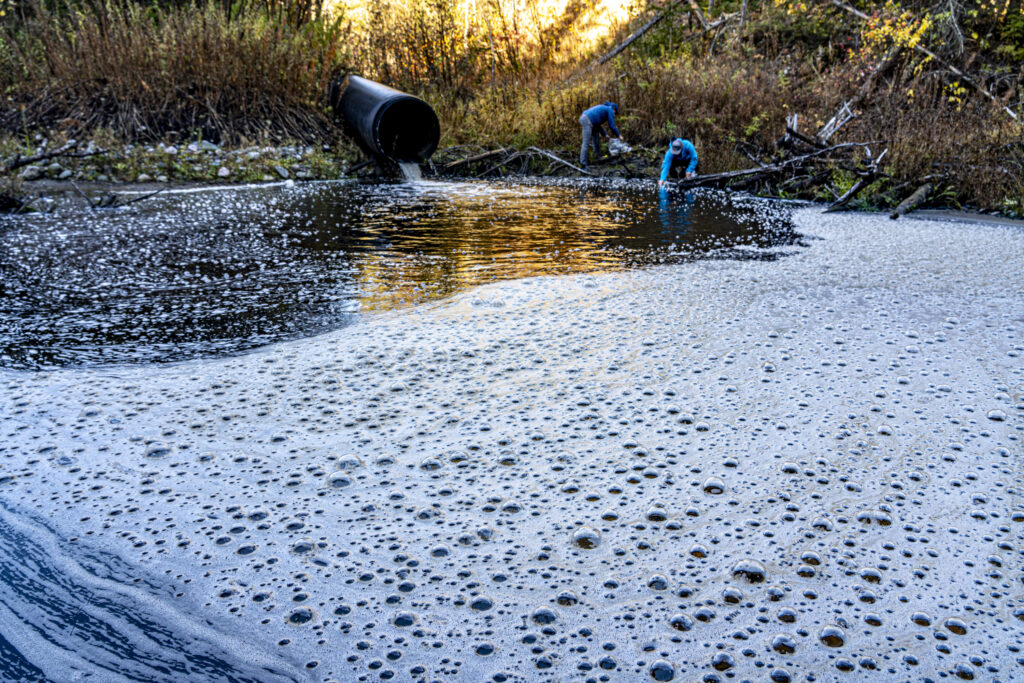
{"x": 144, "y": 71}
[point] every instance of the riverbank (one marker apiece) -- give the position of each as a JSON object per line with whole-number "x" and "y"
{"x": 104, "y": 159}
{"x": 755, "y": 466}
{"x": 132, "y": 170}
{"x": 928, "y": 96}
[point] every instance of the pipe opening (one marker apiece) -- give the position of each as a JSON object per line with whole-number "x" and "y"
{"x": 408, "y": 130}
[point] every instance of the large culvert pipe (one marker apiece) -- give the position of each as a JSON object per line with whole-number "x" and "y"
{"x": 385, "y": 122}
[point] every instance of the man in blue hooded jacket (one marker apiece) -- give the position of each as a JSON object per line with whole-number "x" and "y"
{"x": 592, "y": 122}
{"x": 680, "y": 159}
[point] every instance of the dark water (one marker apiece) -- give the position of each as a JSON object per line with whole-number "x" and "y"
{"x": 118, "y": 623}
{"x": 220, "y": 272}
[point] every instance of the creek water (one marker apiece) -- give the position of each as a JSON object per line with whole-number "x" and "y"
{"x": 411, "y": 171}
{"x": 213, "y": 273}
{"x": 509, "y": 433}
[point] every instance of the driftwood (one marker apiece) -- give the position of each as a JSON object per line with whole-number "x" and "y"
{"x": 451, "y": 166}
{"x": 497, "y": 161}
{"x": 866, "y": 178}
{"x": 507, "y": 160}
{"x": 913, "y": 201}
{"x": 360, "y": 166}
{"x": 112, "y": 200}
{"x": 67, "y": 151}
{"x": 793, "y": 132}
{"x": 555, "y": 158}
{"x": 726, "y": 179}
{"x": 848, "y": 195}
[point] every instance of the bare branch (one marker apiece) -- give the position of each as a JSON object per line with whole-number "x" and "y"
{"x": 561, "y": 161}
{"x": 66, "y": 151}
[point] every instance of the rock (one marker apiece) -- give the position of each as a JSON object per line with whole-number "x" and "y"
{"x": 282, "y": 171}
{"x": 171, "y": 151}
{"x": 192, "y": 147}
{"x": 223, "y": 172}
{"x": 54, "y": 169}
{"x": 268, "y": 178}
{"x": 207, "y": 146}
{"x": 253, "y": 155}
{"x": 303, "y": 175}
{"x": 102, "y": 178}
{"x": 31, "y": 173}
{"x": 144, "y": 178}
{"x": 161, "y": 179}
{"x": 289, "y": 183}
{"x": 65, "y": 174}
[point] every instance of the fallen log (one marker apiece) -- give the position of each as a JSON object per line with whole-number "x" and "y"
{"x": 501, "y": 163}
{"x": 450, "y": 166}
{"x": 121, "y": 202}
{"x": 752, "y": 174}
{"x": 792, "y": 132}
{"x": 66, "y": 151}
{"x": 866, "y": 177}
{"x": 847, "y": 196}
{"x": 551, "y": 156}
{"x": 935, "y": 177}
{"x": 360, "y": 166}
{"x": 912, "y": 202}
{"x": 112, "y": 200}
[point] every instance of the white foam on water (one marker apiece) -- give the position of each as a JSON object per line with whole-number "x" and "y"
{"x": 691, "y": 467}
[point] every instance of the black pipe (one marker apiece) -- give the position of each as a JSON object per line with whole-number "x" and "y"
{"x": 385, "y": 122}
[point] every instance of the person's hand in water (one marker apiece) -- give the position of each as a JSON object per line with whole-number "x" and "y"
{"x": 691, "y": 175}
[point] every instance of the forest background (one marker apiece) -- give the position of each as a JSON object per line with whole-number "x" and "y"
{"x": 938, "y": 83}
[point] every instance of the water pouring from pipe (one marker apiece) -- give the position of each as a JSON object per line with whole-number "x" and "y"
{"x": 387, "y": 124}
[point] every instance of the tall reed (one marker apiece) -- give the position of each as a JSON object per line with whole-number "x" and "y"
{"x": 145, "y": 71}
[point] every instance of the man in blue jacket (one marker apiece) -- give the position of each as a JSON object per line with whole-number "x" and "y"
{"x": 680, "y": 159}
{"x": 592, "y": 121}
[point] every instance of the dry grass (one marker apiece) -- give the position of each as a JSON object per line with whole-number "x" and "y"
{"x": 973, "y": 148}
{"x": 146, "y": 72}
{"x": 714, "y": 101}
{"x": 498, "y": 76}
{"x": 729, "y": 106}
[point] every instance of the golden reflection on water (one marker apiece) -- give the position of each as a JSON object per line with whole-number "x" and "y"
{"x": 413, "y": 243}
{"x": 215, "y": 273}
